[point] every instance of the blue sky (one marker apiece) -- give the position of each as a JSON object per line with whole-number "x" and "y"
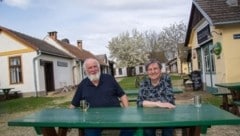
{"x": 93, "y": 21}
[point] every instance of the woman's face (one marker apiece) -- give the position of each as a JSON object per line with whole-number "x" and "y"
{"x": 153, "y": 71}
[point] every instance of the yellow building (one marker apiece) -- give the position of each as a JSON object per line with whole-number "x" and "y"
{"x": 214, "y": 38}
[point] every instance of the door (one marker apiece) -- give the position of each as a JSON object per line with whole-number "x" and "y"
{"x": 49, "y": 78}
{"x": 208, "y": 65}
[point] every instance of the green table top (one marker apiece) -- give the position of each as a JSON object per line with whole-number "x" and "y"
{"x": 182, "y": 115}
{"x": 235, "y": 86}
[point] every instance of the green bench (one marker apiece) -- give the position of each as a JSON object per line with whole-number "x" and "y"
{"x": 236, "y": 109}
{"x": 236, "y": 103}
{"x": 132, "y": 94}
{"x": 177, "y": 90}
{"x": 135, "y": 92}
{"x": 225, "y": 102}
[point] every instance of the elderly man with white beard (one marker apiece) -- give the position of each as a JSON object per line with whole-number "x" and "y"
{"x": 99, "y": 90}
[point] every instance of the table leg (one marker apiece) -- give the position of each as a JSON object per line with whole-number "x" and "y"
{"x": 225, "y": 103}
{"x": 139, "y": 132}
{"x": 49, "y": 131}
{"x": 235, "y": 97}
{"x": 6, "y": 92}
{"x": 62, "y": 131}
{"x": 80, "y": 132}
{"x": 192, "y": 131}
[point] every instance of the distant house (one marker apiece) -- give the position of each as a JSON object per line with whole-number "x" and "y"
{"x": 106, "y": 69}
{"x": 213, "y": 35}
{"x": 124, "y": 71}
{"x": 77, "y": 52}
{"x": 31, "y": 65}
{"x": 137, "y": 70}
{"x": 172, "y": 66}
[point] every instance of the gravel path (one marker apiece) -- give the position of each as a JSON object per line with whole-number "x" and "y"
{"x": 185, "y": 97}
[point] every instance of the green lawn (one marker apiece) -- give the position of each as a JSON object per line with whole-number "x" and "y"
{"x": 25, "y": 104}
{"x": 128, "y": 83}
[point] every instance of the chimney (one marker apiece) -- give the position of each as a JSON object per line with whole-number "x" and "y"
{"x": 53, "y": 35}
{"x": 79, "y": 44}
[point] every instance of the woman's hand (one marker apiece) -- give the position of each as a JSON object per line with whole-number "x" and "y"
{"x": 165, "y": 105}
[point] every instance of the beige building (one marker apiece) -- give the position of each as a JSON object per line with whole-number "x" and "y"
{"x": 214, "y": 38}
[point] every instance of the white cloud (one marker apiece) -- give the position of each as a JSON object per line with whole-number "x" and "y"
{"x": 23, "y": 4}
{"x": 93, "y": 21}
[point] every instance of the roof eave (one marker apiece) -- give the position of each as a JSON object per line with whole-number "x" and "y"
{"x": 53, "y": 54}
{"x": 203, "y": 13}
{"x": 227, "y": 22}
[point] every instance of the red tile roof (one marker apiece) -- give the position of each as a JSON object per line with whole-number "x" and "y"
{"x": 79, "y": 53}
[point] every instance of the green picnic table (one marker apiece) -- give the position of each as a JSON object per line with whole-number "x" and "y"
{"x": 234, "y": 88}
{"x": 185, "y": 115}
{"x": 6, "y": 92}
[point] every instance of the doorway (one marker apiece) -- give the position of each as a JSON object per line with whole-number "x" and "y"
{"x": 49, "y": 78}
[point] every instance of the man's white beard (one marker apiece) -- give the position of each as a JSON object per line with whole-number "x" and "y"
{"x": 94, "y": 77}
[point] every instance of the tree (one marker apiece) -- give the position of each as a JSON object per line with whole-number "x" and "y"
{"x": 154, "y": 47}
{"x": 128, "y": 51}
{"x": 182, "y": 52}
{"x": 171, "y": 37}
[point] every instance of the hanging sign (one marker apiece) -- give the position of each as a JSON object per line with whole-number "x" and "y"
{"x": 217, "y": 49}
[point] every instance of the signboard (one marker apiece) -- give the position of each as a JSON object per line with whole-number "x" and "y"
{"x": 196, "y": 80}
{"x": 62, "y": 64}
{"x": 203, "y": 35}
{"x": 236, "y": 36}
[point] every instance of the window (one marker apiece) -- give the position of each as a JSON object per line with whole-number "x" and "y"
{"x": 199, "y": 59}
{"x": 209, "y": 59}
{"x": 140, "y": 69}
{"x": 120, "y": 71}
{"x": 15, "y": 69}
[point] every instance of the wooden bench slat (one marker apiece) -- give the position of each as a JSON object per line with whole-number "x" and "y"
{"x": 236, "y": 103}
{"x": 221, "y": 93}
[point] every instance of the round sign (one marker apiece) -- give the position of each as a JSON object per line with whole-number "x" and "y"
{"x": 217, "y": 48}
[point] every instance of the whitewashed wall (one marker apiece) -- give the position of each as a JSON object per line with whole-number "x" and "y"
{"x": 63, "y": 76}
{"x": 11, "y": 47}
{"x": 124, "y": 72}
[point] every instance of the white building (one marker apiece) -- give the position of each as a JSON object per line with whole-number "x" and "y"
{"x": 31, "y": 65}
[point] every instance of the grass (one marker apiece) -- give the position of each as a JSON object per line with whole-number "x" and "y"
{"x": 26, "y": 104}
{"x": 211, "y": 99}
{"x": 128, "y": 83}
{"x": 33, "y": 103}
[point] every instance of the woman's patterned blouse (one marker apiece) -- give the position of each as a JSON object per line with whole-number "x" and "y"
{"x": 162, "y": 92}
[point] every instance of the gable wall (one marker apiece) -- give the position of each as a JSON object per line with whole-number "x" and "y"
{"x": 230, "y": 56}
